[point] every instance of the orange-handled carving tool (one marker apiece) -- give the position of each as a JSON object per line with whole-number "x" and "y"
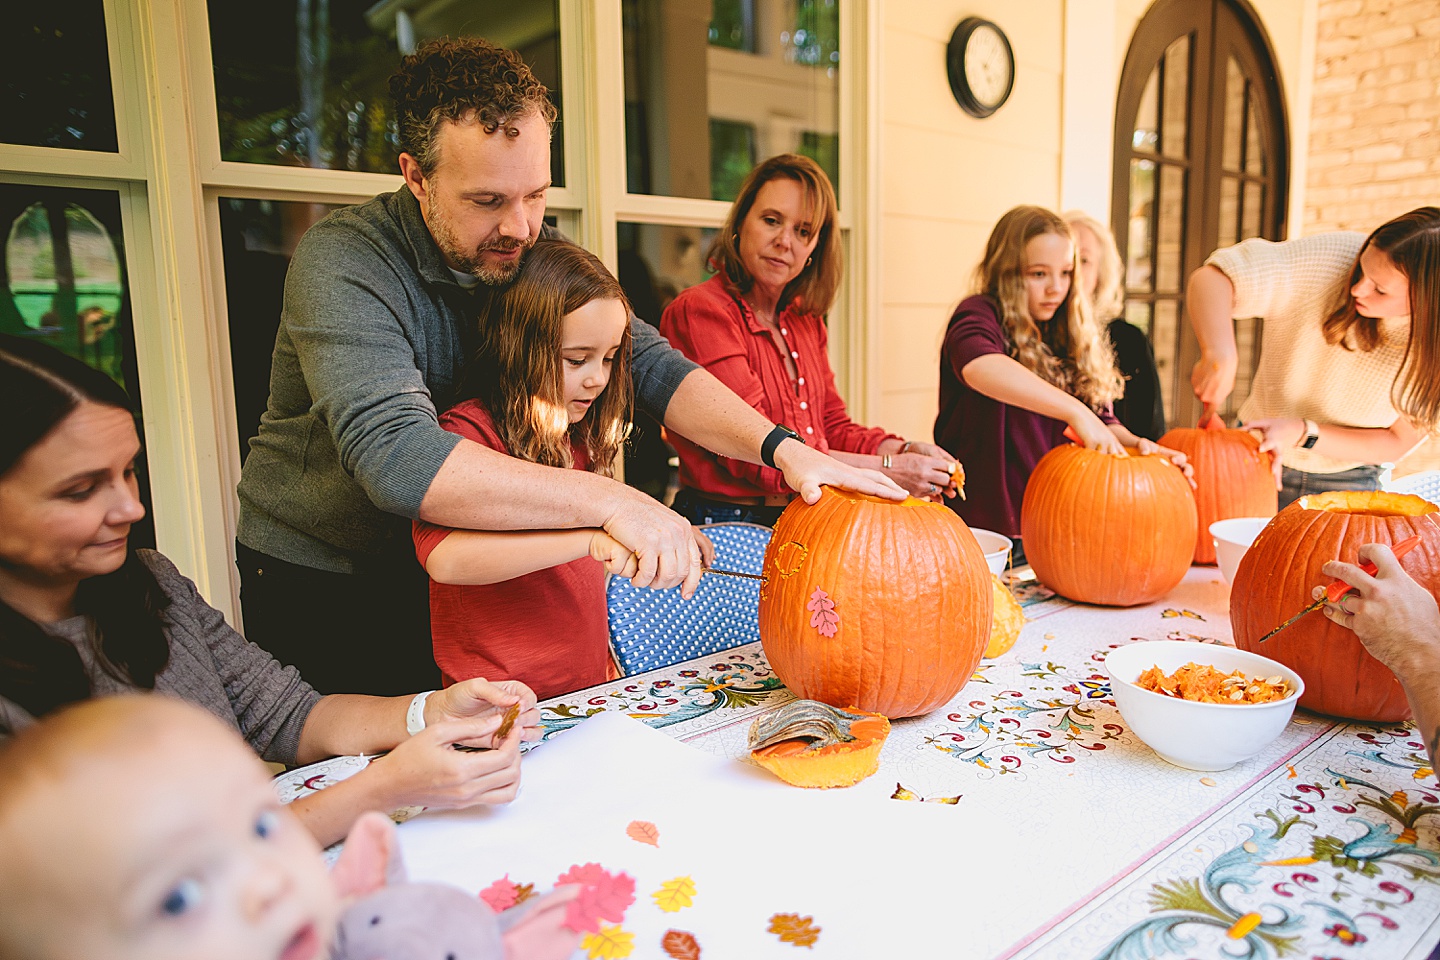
{"x": 1337, "y": 588}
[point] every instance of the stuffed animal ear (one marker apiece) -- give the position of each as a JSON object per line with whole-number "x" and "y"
{"x": 371, "y": 858}
{"x": 538, "y": 932}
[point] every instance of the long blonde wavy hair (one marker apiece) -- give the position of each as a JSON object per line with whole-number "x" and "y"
{"x": 1072, "y": 350}
{"x": 517, "y": 373}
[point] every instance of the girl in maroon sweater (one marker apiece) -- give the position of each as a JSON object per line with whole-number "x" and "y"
{"x": 1023, "y": 359}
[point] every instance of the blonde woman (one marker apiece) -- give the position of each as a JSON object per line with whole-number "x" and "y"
{"x": 1024, "y": 358}
{"x": 1140, "y": 408}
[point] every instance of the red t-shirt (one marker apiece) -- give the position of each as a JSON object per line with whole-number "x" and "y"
{"x": 720, "y": 332}
{"x": 546, "y": 629}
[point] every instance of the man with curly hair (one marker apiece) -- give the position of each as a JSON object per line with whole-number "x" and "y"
{"x": 375, "y": 328}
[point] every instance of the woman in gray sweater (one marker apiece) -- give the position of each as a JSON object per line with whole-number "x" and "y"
{"x": 83, "y": 614}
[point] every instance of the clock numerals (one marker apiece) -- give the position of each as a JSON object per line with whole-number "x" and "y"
{"x": 981, "y": 66}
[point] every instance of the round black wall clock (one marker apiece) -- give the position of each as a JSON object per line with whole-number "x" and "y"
{"x": 981, "y": 66}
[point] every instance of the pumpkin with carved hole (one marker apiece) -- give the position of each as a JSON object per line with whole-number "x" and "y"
{"x": 1232, "y": 477}
{"x": 1105, "y": 528}
{"x": 1282, "y": 566}
{"x": 868, "y": 602}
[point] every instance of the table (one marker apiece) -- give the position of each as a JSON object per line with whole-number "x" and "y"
{"x": 1324, "y": 846}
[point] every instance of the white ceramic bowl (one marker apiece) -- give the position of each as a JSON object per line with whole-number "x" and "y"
{"x": 1232, "y": 538}
{"x": 996, "y": 548}
{"x": 1199, "y": 736}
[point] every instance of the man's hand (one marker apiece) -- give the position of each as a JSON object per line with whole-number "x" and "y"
{"x": 807, "y": 470}
{"x": 1393, "y": 616}
{"x": 661, "y": 540}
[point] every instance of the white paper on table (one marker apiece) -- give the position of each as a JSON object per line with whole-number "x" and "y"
{"x": 881, "y": 878}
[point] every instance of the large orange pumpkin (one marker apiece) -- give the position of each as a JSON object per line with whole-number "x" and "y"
{"x": 1102, "y": 528}
{"x": 870, "y": 602}
{"x": 1232, "y": 477}
{"x": 1282, "y": 566}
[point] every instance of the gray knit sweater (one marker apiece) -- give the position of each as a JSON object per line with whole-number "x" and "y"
{"x": 210, "y": 666}
{"x": 373, "y": 336}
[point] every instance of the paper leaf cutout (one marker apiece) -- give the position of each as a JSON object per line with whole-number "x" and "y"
{"x": 823, "y": 618}
{"x": 643, "y": 831}
{"x": 680, "y": 945}
{"x": 793, "y": 928}
{"x": 608, "y": 943}
{"x": 675, "y": 895}
{"x": 603, "y": 896}
{"x": 502, "y": 894}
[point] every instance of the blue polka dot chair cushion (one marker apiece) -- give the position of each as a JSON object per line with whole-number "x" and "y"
{"x": 650, "y": 629}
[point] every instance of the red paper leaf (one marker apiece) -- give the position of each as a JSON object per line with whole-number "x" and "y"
{"x": 824, "y": 618}
{"x": 603, "y": 896}
{"x": 680, "y": 945}
{"x": 643, "y": 831}
{"x": 501, "y": 895}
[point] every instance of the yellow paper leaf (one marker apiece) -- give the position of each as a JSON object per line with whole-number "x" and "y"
{"x": 675, "y": 894}
{"x": 608, "y": 943}
{"x": 643, "y": 831}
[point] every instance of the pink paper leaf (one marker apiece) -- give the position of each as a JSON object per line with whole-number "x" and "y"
{"x": 502, "y": 894}
{"x": 603, "y": 896}
{"x": 823, "y": 618}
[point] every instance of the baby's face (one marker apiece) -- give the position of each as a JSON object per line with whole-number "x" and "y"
{"x": 161, "y": 867}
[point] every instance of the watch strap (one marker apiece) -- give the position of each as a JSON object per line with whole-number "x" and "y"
{"x": 773, "y": 440}
{"x": 1312, "y": 435}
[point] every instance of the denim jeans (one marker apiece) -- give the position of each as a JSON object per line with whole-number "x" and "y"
{"x": 1295, "y": 484}
{"x": 698, "y": 508}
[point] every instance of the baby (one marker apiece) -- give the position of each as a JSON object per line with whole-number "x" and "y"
{"x": 141, "y": 827}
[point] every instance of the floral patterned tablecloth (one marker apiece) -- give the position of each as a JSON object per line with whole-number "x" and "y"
{"x": 1325, "y": 846}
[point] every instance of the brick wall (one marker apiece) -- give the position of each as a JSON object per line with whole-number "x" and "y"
{"x": 1375, "y": 120}
{"x": 1375, "y": 124}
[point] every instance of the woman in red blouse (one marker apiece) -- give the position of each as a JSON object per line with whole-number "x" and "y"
{"x": 758, "y": 325}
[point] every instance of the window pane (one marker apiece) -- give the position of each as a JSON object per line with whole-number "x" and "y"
{"x": 655, "y": 263}
{"x": 258, "y": 238}
{"x": 732, "y": 24}
{"x": 1163, "y": 336}
{"x": 1175, "y": 118}
{"x": 1250, "y": 213}
{"x": 64, "y": 284}
{"x": 1234, "y": 115}
{"x": 304, "y": 82}
{"x": 1138, "y": 313}
{"x": 55, "y": 74}
{"x": 1170, "y": 229}
{"x": 686, "y": 96}
{"x": 1147, "y": 119}
{"x": 732, "y": 155}
{"x": 824, "y": 149}
{"x": 1138, "y": 275}
{"x": 1229, "y": 211}
{"x": 1254, "y": 145}
{"x": 1247, "y": 347}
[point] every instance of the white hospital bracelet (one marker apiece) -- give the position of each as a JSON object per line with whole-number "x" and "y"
{"x": 415, "y": 716}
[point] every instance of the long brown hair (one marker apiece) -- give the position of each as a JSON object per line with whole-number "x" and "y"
{"x": 1412, "y": 242}
{"x": 516, "y": 371}
{"x": 813, "y": 291}
{"x": 1073, "y": 351}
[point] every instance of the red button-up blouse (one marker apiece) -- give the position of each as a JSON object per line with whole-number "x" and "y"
{"x": 719, "y": 331}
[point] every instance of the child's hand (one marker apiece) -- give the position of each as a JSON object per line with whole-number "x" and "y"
{"x": 707, "y": 549}
{"x": 481, "y": 698}
{"x": 1147, "y": 446}
{"x": 1094, "y": 435}
{"x": 616, "y": 557}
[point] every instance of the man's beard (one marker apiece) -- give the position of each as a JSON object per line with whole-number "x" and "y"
{"x": 473, "y": 263}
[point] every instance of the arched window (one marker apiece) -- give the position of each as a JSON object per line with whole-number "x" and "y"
{"x": 1201, "y": 161}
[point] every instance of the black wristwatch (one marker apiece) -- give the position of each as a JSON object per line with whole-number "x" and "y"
{"x": 772, "y": 440}
{"x": 1311, "y": 437}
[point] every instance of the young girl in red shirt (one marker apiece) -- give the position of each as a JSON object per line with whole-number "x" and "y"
{"x": 549, "y": 383}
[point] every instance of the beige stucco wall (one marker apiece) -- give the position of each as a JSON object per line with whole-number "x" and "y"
{"x": 945, "y": 177}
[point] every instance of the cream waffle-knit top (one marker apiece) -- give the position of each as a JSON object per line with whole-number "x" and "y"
{"x": 1291, "y": 285}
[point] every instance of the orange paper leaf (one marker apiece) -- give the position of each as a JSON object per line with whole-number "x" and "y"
{"x": 643, "y": 831}
{"x": 793, "y": 928}
{"x": 680, "y": 945}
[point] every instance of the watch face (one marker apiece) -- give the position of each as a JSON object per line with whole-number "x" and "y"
{"x": 988, "y": 67}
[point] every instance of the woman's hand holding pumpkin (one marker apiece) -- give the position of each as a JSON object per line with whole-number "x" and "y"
{"x": 1277, "y": 435}
{"x": 1147, "y": 447}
